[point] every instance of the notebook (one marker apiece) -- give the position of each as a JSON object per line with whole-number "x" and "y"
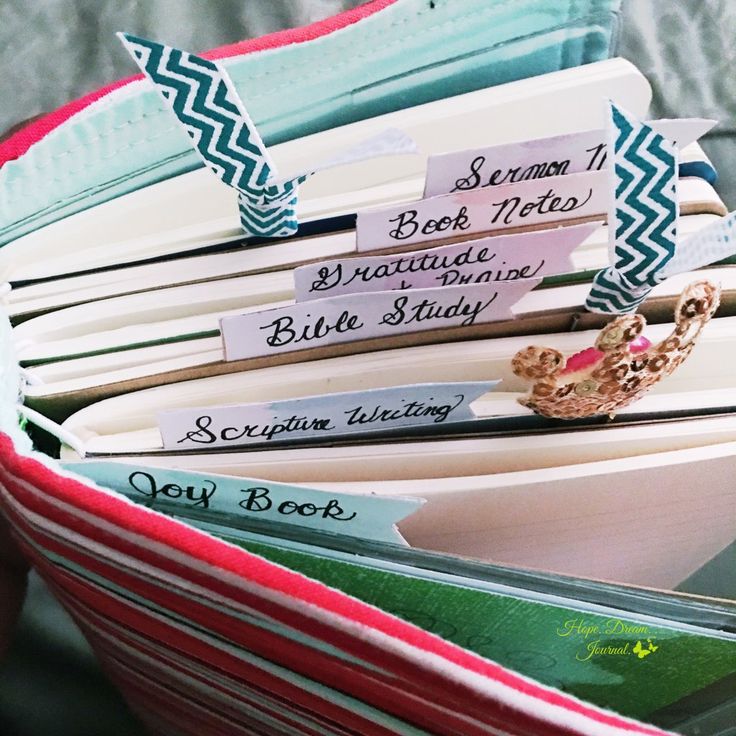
{"x": 301, "y": 484}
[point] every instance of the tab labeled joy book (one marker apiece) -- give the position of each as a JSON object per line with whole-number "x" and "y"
{"x": 355, "y": 317}
{"x": 459, "y": 216}
{"x": 485, "y": 261}
{"x": 228, "y": 499}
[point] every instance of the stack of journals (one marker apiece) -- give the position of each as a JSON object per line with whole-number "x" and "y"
{"x": 343, "y": 403}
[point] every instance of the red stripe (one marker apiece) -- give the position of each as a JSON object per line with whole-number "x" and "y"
{"x": 161, "y": 675}
{"x": 188, "y": 716}
{"x": 18, "y": 143}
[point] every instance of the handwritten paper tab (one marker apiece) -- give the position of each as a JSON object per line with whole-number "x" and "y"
{"x": 539, "y": 158}
{"x": 362, "y": 316}
{"x": 486, "y": 261}
{"x": 227, "y": 500}
{"x": 463, "y": 214}
{"x": 326, "y": 416}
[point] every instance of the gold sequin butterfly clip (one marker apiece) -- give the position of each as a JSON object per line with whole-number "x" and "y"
{"x": 621, "y": 367}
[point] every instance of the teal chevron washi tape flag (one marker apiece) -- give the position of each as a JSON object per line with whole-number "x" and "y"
{"x": 643, "y": 217}
{"x": 205, "y": 102}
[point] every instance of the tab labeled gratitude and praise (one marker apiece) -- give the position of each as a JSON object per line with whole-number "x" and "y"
{"x": 228, "y": 500}
{"x": 325, "y": 416}
{"x": 485, "y": 261}
{"x": 355, "y": 317}
{"x": 461, "y": 215}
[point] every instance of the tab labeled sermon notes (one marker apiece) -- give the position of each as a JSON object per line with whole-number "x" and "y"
{"x": 539, "y": 158}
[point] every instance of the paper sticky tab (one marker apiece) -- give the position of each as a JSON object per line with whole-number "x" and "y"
{"x": 540, "y": 158}
{"x": 230, "y": 500}
{"x": 327, "y": 416}
{"x": 486, "y": 261}
{"x": 463, "y": 214}
{"x": 362, "y": 316}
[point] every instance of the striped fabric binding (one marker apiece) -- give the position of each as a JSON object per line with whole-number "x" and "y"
{"x": 643, "y": 217}
{"x": 205, "y": 638}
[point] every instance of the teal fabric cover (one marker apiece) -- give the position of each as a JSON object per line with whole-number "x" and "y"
{"x": 411, "y": 52}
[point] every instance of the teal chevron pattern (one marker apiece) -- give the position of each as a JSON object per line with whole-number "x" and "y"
{"x": 269, "y": 220}
{"x": 207, "y": 105}
{"x": 643, "y": 218}
{"x": 612, "y": 294}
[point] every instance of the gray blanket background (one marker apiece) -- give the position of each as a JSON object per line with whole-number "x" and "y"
{"x": 52, "y": 51}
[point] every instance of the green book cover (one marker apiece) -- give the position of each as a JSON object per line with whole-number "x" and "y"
{"x": 628, "y": 664}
